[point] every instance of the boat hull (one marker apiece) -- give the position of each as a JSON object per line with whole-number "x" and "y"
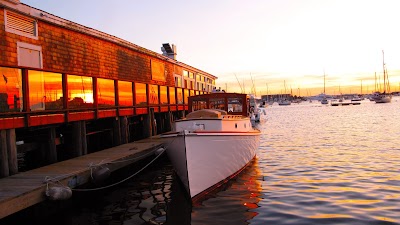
{"x": 202, "y": 160}
{"x": 383, "y": 99}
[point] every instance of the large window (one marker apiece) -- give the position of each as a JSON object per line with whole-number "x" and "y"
{"x": 235, "y": 105}
{"x": 179, "y": 95}
{"x": 10, "y": 90}
{"x": 45, "y": 90}
{"x": 178, "y": 81}
{"x": 186, "y": 94}
{"x": 105, "y": 92}
{"x": 217, "y": 103}
{"x": 125, "y": 93}
{"x": 172, "y": 95}
{"x": 140, "y": 94}
{"x": 153, "y": 94}
{"x": 199, "y": 104}
{"x": 80, "y": 91}
{"x": 163, "y": 95}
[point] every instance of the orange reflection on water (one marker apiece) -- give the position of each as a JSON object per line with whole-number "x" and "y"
{"x": 358, "y": 201}
{"x": 236, "y": 203}
{"x": 329, "y": 216}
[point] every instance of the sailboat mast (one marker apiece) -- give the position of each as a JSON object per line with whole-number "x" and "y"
{"x": 324, "y": 82}
{"x": 384, "y": 72}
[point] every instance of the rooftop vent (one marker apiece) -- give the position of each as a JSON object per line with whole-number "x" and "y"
{"x": 169, "y": 51}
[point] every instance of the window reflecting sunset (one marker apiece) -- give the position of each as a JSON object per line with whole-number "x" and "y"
{"x": 172, "y": 95}
{"x": 45, "y": 90}
{"x": 80, "y": 91}
{"x": 179, "y": 95}
{"x": 10, "y": 90}
{"x": 153, "y": 94}
{"x": 186, "y": 95}
{"x": 163, "y": 95}
{"x": 105, "y": 92}
{"x": 125, "y": 93}
{"x": 141, "y": 98}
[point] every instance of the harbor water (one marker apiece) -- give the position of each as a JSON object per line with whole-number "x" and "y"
{"x": 316, "y": 164}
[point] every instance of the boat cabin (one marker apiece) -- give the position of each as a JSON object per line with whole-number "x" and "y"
{"x": 232, "y": 103}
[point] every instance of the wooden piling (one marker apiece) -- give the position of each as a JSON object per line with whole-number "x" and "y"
{"x": 12, "y": 152}
{"x": 123, "y": 120}
{"x": 84, "y": 140}
{"x": 4, "y": 169}
{"x": 79, "y": 138}
{"x": 170, "y": 120}
{"x": 153, "y": 123}
{"x": 116, "y": 132}
{"x": 146, "y": 126}
{"x": 51, "y": 151}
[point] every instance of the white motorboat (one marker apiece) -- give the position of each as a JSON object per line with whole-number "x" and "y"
{"x": 211, "y": 145}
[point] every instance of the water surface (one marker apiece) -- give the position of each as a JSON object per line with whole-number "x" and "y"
{"x": 316, "y": 164}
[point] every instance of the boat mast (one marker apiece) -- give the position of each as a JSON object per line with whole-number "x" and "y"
{"x": 324, "y": 83}
{"x": 384, "y": 72}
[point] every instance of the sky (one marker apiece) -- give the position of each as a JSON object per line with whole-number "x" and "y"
{"x": 259, "y": 46}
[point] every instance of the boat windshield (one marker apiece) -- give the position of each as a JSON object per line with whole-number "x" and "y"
{"x": 232, "y": 103}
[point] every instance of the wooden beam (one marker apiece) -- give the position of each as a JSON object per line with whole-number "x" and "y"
{"x": 12, "y": 151}
{"x": 123, "y": 120}
{"x": 77, "y": 139}
{"x": 4, "y": 170}
{"x": 51, "y": 151}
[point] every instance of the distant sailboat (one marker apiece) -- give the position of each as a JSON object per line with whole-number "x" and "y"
{"x": 384, "y": 97}
{"x": 324, "y": 101}
{"x": 284, "y": 101}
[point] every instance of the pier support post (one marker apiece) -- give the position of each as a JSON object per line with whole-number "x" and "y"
{"x": 116, "y": 132}
{"x": 170, "y": 119}
{"x": 51, "y": 151}
{"x": 123, "y": 120}
{"x": 84, "y": 140}
{"x": 153, "y": 123}
{"x": 4, "y": 170}
{"x": 146, "y": 126}
{"x": 12, "y": 151}
{"x": 79, "y": 139}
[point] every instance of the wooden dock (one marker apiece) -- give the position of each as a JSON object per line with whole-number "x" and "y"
{"x": 25, "y": 189}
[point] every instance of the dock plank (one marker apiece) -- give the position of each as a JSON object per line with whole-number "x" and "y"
{"x": 25, "y": 189}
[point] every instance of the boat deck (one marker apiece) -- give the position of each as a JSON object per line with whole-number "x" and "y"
{"x": 25, "y": 189}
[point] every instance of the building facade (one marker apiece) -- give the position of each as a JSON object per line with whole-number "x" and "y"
{"x": 59, "y": 77}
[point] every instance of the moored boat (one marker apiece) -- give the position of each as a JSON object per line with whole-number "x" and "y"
{"x": 386, "y": 96}
{"x": 211, "y": 145}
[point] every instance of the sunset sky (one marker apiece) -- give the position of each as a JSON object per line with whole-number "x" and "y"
{"x": 258, "y": 43}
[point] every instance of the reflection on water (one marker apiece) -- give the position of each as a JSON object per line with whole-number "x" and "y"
{"x": 316, "y": 165}
{"x": 236, "y": 203}
{"x": 331, "y": 165}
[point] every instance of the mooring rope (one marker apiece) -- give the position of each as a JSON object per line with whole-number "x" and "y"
{"x": 121, "y": 181}
{"x": 101, "y": 163}
{"x": 56, "y": 180}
